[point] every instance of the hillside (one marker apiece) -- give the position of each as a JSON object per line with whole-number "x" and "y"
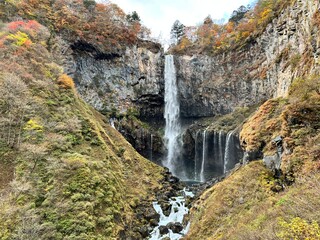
{"x": 65, "y": 172}
{"x": 83, "y": 94}
{"x": 255, "y": 202}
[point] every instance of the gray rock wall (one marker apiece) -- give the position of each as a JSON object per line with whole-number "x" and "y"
{"x": 265, "y": 68}
{"x": 132, "y": 79}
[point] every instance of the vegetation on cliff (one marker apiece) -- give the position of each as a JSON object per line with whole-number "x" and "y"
{"x": 255, "y": 203}
{"x": 65, "y": 173}
{"x": 245, "y": 24}
{"x": 105, "y": 26}
{"x": 296, "y": 119}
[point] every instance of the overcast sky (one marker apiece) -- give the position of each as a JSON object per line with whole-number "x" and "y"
{"x": 159, "y": 15}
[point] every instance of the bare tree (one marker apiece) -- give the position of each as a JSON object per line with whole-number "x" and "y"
{"x": 14, "y": 102}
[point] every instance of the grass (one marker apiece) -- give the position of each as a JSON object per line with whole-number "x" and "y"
{"x": 251, "y": 203}
{"x": 75, "y": 176}
{"x": 244, "y": 207}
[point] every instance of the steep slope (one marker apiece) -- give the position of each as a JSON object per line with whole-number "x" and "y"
{"x": 243, "y": 207}
{"x": 65, "y": 173}
{"x": 114, "y": 68}
{"x": 259, "y": 203}
{"x": 276, "y": 198}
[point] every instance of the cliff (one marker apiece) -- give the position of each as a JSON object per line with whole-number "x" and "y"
{"x": 261, "y": 69}
{"x": 131, "y": 79}
{"x": 274, "y": 198}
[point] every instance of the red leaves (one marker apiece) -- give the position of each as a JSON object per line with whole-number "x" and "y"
{"x": 30, "y": 25}
{"x": 13, "y": 26}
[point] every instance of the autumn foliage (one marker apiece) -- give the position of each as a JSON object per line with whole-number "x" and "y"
{"x": 65, "y": 81}
{"x": 104, "y": 25}
{"x": 211, "y": 37}
{"x": 21, "y": 35}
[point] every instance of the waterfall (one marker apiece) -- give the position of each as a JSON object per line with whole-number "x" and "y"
{"x": 204, "y": 155}
{"x": 215, "y": 153}
{"x": 221, "y": 157}
{"x": 196, "y": 155}
{"x": 171, "y": 114}
{"x": 111, "y": 121}
{"x": 229, "y": 144}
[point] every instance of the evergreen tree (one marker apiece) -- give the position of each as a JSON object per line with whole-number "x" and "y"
{"x": 133, "y": 17}
{"x": 177, "y": 31}
{"x": 239, "y": 14}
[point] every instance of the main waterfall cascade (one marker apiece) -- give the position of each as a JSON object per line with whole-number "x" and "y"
{"x": 172, "y": 117}
{"x": 214, "y": 153}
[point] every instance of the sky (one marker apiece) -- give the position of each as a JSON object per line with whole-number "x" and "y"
{"x": 159, "y": 15}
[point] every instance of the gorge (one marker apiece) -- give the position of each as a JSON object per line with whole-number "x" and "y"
{"x": 104, "y": 135}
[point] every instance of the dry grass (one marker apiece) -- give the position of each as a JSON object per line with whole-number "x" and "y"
{"x": 243, "y": 207}
{"x": 6, "y": 174}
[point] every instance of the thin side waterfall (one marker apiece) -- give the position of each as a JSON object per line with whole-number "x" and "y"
{"x": 196, "y": 155}
{"x": 112, "y": 120}
{"x": 215, "y": 153}
{"x": 220, "y": 147}
{"x": 204, "y": 154}
{"x": 151, "y": 147}
{"x": 171, "y": 114}
{"x": 227, "y": 151}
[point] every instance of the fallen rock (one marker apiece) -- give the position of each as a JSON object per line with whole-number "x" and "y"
{"x": 163, "y": 230}
{"x": 175, "y": 227}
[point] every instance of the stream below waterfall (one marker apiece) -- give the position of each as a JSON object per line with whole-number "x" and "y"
{"x": 172, "y": 226}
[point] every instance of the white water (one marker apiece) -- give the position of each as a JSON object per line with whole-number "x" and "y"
{"x": 178, "y": 211}
{"x": 204, "y": 155}
{"x": 112, "y": 120}
{"x": 171, "y": 114}
{"x": 227, "y": 151}
{"x": 196, "y": 156}
{"x": 220, "y": 147}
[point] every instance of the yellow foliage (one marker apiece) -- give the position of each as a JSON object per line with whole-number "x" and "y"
{"x": 65, "y": 81}
{"x": 299, "y": 228}
{"x": 19, "y": 39}
{"x": 33, "y": 125}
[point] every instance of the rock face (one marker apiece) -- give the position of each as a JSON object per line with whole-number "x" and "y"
{"x": 264, "y": 68}
{"x": 273, "y": 162}
{"x": 145, "y": 140}
{"x": 132, "y": 79}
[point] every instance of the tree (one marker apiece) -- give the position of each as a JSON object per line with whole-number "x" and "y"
{"x": 177, "y": 31}
{"x": 14, "y": 102}
{"x": 239, "y": 14}
{"x": 208, "y": 20}
{"x": 133, "y": 17}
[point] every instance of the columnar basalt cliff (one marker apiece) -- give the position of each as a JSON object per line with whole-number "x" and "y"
{"x": 263, "y": 68}
{"x": 127, "y": 80}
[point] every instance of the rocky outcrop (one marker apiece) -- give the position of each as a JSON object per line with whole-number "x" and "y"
{"x": 273, "y": 162}
{"x": 264, "y": 68}
{"x": 144, "y": 138}
{"x": 120, "y": 81}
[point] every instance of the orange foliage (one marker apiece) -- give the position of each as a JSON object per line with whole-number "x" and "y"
{"x": 220, "y": 37}
{"x": 101, "y": 24}
{"x": 65, "y": 81}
